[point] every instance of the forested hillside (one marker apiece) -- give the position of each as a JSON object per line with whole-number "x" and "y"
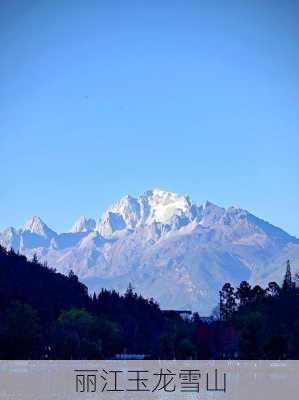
{"x": 46, "y": 315}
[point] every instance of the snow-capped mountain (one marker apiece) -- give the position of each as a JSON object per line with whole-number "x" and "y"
{"x": 83, "y": 225}
{"x": 153, "y": 207}
{"x": 169, "y": 247}
{"x": 36, "y": 226}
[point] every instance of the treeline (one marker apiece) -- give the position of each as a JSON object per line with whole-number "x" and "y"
{"x": 263, "y": 323}
{"x": 47, "y": 315}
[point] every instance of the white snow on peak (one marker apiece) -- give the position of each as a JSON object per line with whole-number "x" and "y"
{"x": 159, "y": 207}
{"x": 207, "y": 204}
{"x": 153, "y": 206}
{"x": 34, "y": 225}
{"x": 37, "y": 226}
{"x": 129, "y": 208}
{"x": 174, "y": 250}
{"x": 163, "y": 206}
{"x": 83, "y": 224}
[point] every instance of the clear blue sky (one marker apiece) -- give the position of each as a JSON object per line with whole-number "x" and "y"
{"x": 103, "y": 98}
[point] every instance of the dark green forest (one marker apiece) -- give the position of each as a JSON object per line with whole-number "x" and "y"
{"x": 47, "y": 315}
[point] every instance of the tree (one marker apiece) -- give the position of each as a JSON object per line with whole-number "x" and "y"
{"x": 273, "y": 289}
{"x": 257, "y": 294}
{"x": 243, "y": 293}
{"x": 76, "y": 319}
{"x": 130, "y": 291}
{"x": 94, "y": 298}
{"x": 95, "y": 333}
{"x": 287, "y": 282}
{"x": 251, "y": 336}
{"x": 196, "y": 318}
{"x": 227, "y": 301}
{"x": 294, "y": 341}
{"x": 22, "y": 332}
{"x": 72, "y": 276}
{"x": 185, "y": 348}
{"x": 167, "y": 347}
{"x": 35, "y": 259}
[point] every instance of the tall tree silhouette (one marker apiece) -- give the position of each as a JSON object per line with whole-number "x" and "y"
{"x": 227, "y": 301}
{"x": 287, "y": 282}
{"x": 243, "y": 293}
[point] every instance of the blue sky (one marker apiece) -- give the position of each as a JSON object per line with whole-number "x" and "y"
{"x": 103, "y": 98}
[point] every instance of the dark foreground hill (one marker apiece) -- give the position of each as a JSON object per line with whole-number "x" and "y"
{"x": 47, "y": 315}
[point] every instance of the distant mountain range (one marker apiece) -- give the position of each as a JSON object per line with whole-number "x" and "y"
{"x": 170, "y": 248}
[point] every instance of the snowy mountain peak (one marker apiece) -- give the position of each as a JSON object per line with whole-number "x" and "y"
{"x": 34, "y": 225}
{"x": 83, "y": 224}
{"x": 207, "y": 204}
{"x": 37, "y": 226}
{"x": 175, "y": 250}
{"x": 129, "y": 209}
{"x": 163, "y": 206}
{"x": 152, "y": 207}
{"x": 165, "y": 198}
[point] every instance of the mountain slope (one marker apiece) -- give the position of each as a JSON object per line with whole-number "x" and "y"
{"x": 170, "y": 248}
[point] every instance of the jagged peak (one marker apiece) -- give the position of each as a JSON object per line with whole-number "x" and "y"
{"x": 161, "y": 193}
{"x": 123, "y": 202}
{"x": 83, "y": 224}
{"x": 36, "y": 225}
{"x": 234, "y": 208}
{"x": 155, "y": 205}
{"x": 165, "y": 198}
{"x": 209, "y": 205}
